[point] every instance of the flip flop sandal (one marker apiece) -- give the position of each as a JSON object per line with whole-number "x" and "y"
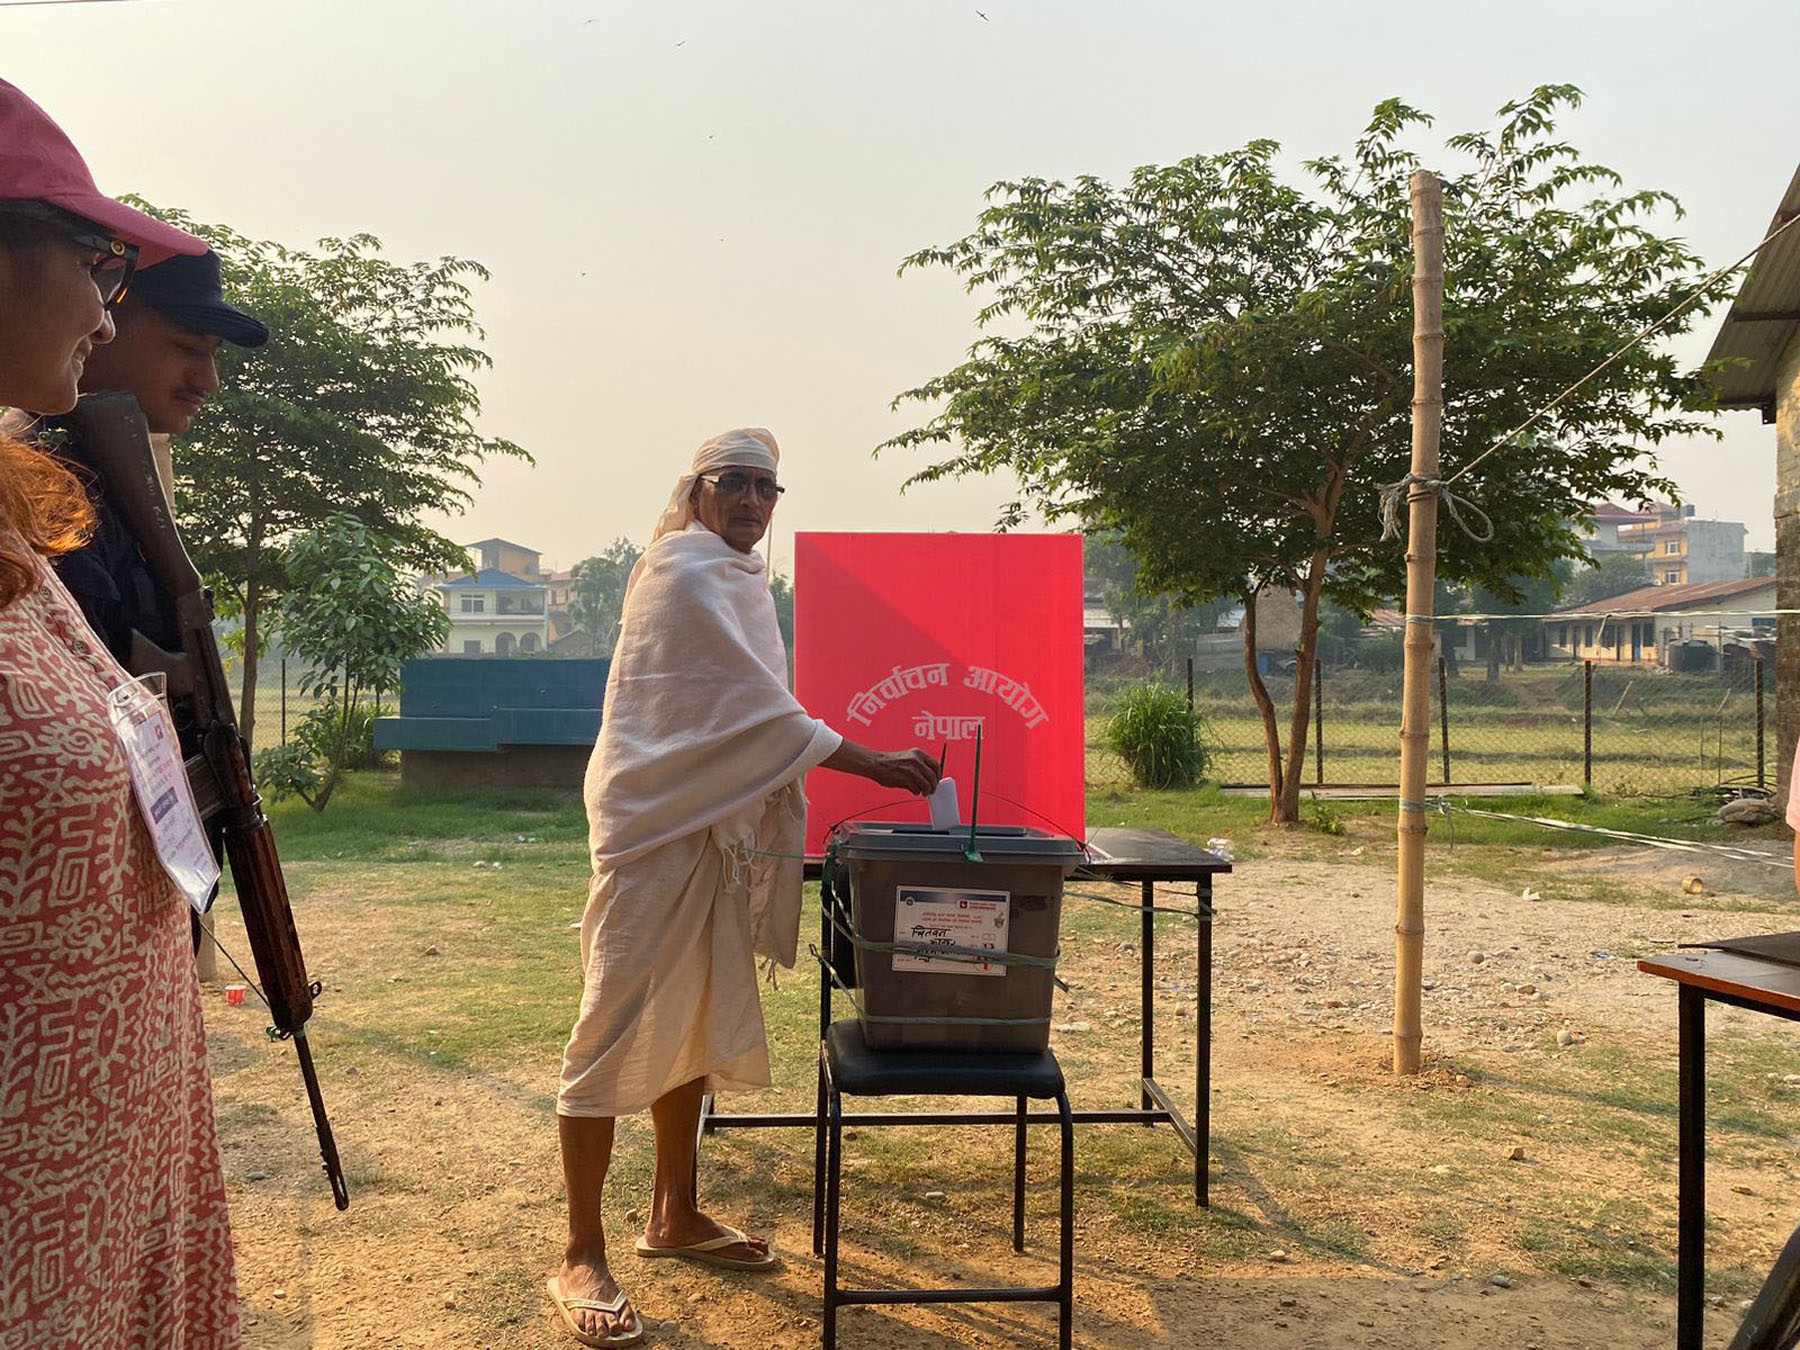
{"x": 569, "y": 1306}
{"x": 709, "y": 1252}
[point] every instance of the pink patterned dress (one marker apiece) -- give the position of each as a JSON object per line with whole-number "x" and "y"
{"x": 113, "y": 1227}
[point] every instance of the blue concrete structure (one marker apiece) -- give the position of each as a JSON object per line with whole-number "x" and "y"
{"x": 495, "y": 722}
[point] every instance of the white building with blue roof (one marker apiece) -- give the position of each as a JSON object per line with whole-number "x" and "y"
{"x": 500, "y": 608}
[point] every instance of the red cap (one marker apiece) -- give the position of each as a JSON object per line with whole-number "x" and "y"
{"x": 39, "y": 163}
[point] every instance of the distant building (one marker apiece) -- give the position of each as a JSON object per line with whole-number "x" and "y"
{"x": 1601, "y": 528}
{"x": 500, "y": 555}
{"x": 1683, "y": 551}
{"x": 562, "y": 623}
{"x": 501, "y": 608}
{"x": 1664, "y": 625}
{"x": 1102, "y": 631}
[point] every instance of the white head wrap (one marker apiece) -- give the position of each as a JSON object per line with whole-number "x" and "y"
{"x": 745, "y": 448}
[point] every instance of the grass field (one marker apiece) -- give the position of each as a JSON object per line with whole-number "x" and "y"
{"x": 1653, "y": 731}
{"x": 1350, "y": 1208}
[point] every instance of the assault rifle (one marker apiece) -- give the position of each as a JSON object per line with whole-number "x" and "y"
{"x": 116, "y": 442}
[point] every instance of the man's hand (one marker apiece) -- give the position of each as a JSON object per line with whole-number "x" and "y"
{"x": 915, "y": 771}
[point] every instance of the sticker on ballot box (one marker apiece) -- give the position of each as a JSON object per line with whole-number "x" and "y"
{"x": 934, "y": 916}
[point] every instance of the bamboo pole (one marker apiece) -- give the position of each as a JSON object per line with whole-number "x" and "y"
{"x": 1421, "y": 565}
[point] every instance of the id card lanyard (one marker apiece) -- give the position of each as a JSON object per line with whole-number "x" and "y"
{"x": 159, "y": 781}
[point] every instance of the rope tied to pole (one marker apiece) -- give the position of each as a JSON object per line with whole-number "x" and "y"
{"x": 1395, "y": 493}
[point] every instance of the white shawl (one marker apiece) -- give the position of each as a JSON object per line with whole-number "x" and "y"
{"x": 700, "y": 732}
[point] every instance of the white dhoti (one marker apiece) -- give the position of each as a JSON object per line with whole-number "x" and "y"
{"x": 696, "y": 822}
{"x": 669, "y": 986}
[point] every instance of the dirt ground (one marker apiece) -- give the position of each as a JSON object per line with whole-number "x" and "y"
{"x": 1520, "y": 1192}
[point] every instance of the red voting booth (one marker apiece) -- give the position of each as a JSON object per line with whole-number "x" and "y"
{"x": 908, "y": 640}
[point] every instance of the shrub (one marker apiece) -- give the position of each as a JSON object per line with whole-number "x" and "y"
{"x": 284, "y": 771}
{"x": 1158, "y": 736}
{"x": 1384, "y": 655}
{"x": 302, "y": 767}
{"x": 1325, "y": 817}
{"x": 360, "y": 752}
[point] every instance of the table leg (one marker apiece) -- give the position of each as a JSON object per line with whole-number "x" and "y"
{"x": 1147, "y": 976}
{"x": 1690, "y": 1204}
{"x": 826, "y": 934}
{"x": 1203, "y": 1043}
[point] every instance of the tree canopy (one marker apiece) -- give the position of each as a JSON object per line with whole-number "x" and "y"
{"x": 1215, "y": 364}
{"x": 356, "y": 621}
{"x": 597, "y": 591}
{"x": 1611, "y": 574}
{"x": 362, "y": 403}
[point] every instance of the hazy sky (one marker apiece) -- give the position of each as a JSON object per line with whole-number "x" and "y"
{"x": 693, "y": 211}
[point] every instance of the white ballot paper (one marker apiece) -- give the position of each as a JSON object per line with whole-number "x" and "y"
{"x": 945, "y": 814}
{"x": 159, "y": 780}
{"x": 939, "y": 917}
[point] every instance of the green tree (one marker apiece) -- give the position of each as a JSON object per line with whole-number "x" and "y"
{"x": 781, "y": 591}
{"x": 597, "y": 591}
{"x": 1164, "y": 628}
{"x": 363, "y": 402}
{"x": 356, "y": 620}
{"x": 1611, "y": 574}
{"x": 1524, "y": 596}
{"x": 1216, "y": 364}
{"x": 1340, "y": 633}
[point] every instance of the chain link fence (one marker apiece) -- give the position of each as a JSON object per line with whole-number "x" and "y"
{"x": 1618, "y": 729}
{"x": 280, "y": 702}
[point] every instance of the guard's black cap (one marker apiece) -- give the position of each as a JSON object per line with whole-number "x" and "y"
{"x": 188, "y": 290}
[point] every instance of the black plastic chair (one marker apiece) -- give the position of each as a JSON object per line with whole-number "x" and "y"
{"x": 848, "y": 1066}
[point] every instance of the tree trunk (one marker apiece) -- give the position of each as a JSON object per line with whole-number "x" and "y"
{"x": 1493, "y": 645}
{"x": 1304, "y": 661}
{"x": 1265, "y": 706}
{"x": 247, "y": 700}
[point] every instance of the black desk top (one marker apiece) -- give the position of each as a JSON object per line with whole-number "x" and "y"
{"x": 1148, "y": 855}
{"x": 1129, "y": 855}
{"x": 1754, "y": 981}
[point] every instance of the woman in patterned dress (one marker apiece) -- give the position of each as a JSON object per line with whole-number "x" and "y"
{"x": 113, "y": 1226}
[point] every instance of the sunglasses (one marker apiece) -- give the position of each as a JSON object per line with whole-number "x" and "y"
{"x": 116, "y": 260}
{"x": 736, "y": 484}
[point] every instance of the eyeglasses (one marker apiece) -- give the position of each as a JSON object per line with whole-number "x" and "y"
{"x": 734, "y": 484}
{"x": 116, "y": 266}
{"x": 117, "y": 261}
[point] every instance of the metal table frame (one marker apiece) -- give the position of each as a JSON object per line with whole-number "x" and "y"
{"x": 1755, "y": 984}
{"x": 1118, "y": 855}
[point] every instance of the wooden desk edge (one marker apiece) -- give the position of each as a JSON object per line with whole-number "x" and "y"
{"x": 1664, "y": 967}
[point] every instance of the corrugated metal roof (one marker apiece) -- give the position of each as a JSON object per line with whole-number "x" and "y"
{"x": 1764, "y": 317}
{"x": 1656, "y": 599}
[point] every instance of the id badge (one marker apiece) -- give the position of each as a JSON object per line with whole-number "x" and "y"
{"x": 159, "y": 781}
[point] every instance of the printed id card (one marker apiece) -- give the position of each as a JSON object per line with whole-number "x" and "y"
{"x": 159, "y": 780}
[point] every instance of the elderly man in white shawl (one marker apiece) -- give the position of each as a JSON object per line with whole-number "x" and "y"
{"x": 696, "y": 822}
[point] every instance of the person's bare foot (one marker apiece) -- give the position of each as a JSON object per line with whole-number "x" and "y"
{"x": 691, "y": 1227}
{"x": 588, "y": 1278}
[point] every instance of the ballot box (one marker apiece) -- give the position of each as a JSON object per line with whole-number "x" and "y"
{"x": 954, "y": 931}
